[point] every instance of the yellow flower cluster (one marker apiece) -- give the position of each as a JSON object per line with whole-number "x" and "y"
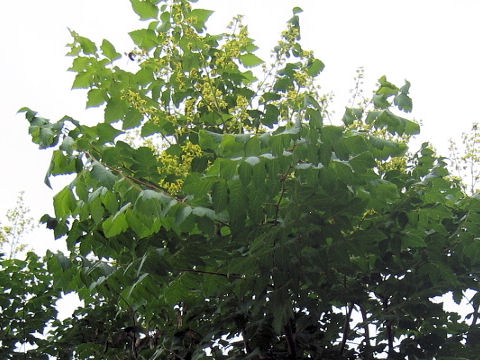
{"x": 211, "y": 96}
{"x": 242, "y": 102}
{"x": 292, "y": 34}
{"x": 233, "y": 48}
{"x": 177, "y": 13}
{"x": 289, "y": 38}
{"x": 396, "y": 163}
{"x": 134, "y": 99}
{"x": 240, "y": 120}
{"x": 190, "y": 106}
{"x": 178, "y": 166}
{"x": 302, "y": 78}
{"x": 295, "y": 99}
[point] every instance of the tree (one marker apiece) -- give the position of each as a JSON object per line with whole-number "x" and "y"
{"x": 18, "y": 224}
{"x": 465, "y": 162}
{"x": 27, "y": 295}
{"x": 240, "y": 226}
{"x": 27, "y": 304}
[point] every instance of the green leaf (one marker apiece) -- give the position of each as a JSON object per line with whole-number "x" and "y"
{"x": 201, "y": 211}
{"x": 97, "y": 210}
{"x": 144, "y": 38}
{"x": 107, "y": 133}
{"x": 133, "y": 118}
{"x": 154, "y": 262}
{"x": 64, "y": 203}
{"x": 145, "y": 9}
{"x": 253, "y": 146}
{"x": 82, "y": 80}
{"x": 404, "y": 102}
{"x": 380, "y": 102}
{"x": 116, "y": 224}
{"x": 61, "y": 164}
{"x": 150, "y": 128}
{"x": 315, "y": 67}
{"x": 88, "y": 46}
{"x": 109, "y": 50}
{"x": 412, "y": 240}
{"x": 220, "y": 196}
{"x": 96, "y": 97}
{"x": 271, "y": 115}
{"x": 245, "y": 172}
{"x": 182, "y": 214}
{"x": 297, "y": 10}
{"x": 352, "y": 115}
{"x": 250, "y": 60}
{"x": 142, "y": 225}
{"x": 103, "y": 175}
{"x": 151, "y": 203}
{"x": 237, "y": 204}
{"x": 199, "y": 17}
{"x": 386, "y": 88}
{"x": 115, "y": 110}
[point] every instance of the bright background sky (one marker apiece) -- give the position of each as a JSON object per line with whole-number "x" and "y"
{"x": 432, "y": 43}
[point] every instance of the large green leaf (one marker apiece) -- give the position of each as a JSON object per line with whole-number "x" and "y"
{"x": 146, "y": 9}
{"x": 64, "y": 203}
{"x": 104, "y": 176}
{"x": 151, "y": 203}
{"x": 250, "y": 60}
{"x": 199, "y": 17}
{"x": 117, "y": 223}
{"x": 109, "y": 50}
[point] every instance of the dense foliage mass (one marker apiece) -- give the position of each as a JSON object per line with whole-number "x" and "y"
{"x": 236, "y": 224}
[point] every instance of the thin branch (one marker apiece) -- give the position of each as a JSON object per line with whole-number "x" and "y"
{"x": 283, "y": 178}
{"x": 368, "y": 344}
{"x": 389, "y": 330}
{"x": 292, "y": 345}
{"x": 346, "y": 327}
{"x": 136, "y": 182}
{"x": 228, "y": 276}
{"x": 248, "y": 349}
{"x": 476, "y": 309}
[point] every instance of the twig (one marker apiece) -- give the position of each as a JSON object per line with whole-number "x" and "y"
{"x": 283, "y": 178}
{"x": 389, "y": 330}
{"x": 346, "y": 327}
{"x": 368, "y": 344}
{"x": 475, "y": 315}
{"x": 292, "y": 345}
{"x": 228, "y": 276}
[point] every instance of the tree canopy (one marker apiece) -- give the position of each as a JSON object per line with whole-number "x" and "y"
{"x": 214, "y": 213}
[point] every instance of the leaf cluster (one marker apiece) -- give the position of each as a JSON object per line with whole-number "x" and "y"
{"x": 283, "y": 229}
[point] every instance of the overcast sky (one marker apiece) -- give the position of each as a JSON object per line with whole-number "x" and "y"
{"x": 432, "y": 43}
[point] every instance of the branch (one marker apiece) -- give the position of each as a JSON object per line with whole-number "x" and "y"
{"x": 368, "y": 344}
{"x": 292, "y": 345}
{"x": 346, "y": 327}
{"x": 475, "y": 315}
{"x": 129, "y": 178}
{"x": 228, "y": 276}
{"x": 389, "y": 330}
{"x": 248, "y": 349}
{"x": 283, "y": 178}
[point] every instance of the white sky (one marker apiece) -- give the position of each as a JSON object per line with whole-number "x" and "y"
{"x": 432, "y": 43}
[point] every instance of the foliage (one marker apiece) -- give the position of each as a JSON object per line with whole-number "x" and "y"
{"x": 27, "y": 304}
{"x": 27, "y": 296}
{"x": 465, "y": 162}
{"x": 18, "y": 224}
{"x": 242, "y": 226}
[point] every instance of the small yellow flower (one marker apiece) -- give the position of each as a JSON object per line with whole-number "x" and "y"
{"x": 178, "y": 166}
